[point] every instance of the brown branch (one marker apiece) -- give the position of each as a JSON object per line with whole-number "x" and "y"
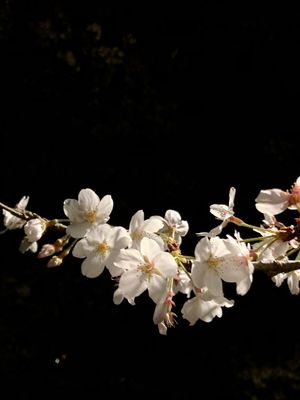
{"x": 275, "y": 267}
{"x": 22, "y": 214}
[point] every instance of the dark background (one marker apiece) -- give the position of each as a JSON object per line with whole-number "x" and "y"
{"x": 162, "y": 107}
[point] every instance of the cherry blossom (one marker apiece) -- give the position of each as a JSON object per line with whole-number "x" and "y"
{"x": 100, "y": 248}
{"x": 174, "y": 226}
{"x": 293, "y": 279}
{"x": 221, "y": 212}
{"x": 204, "y": 306}
{"x": 148, "y": 268}
{"x": 275, "y": 201}
{"x": 86, "y": 212}
{"x": 139, "y": 228}
{"x": 10, "y": 220}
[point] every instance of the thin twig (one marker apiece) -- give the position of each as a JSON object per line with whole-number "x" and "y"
{"x": 14, "y": 211}
{"x": 22, "y": 214}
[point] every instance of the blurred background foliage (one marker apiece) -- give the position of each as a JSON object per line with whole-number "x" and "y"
{"x": 162, "y": 107}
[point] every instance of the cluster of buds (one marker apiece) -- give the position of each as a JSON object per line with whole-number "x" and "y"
{"x": 146, "y": 256}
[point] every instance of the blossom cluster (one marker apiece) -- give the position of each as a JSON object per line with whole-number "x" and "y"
{"x": 146, "y": 256}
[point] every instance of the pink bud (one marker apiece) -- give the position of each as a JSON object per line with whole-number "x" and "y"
{"x": 54, "y": 261}
{"x": 46, "y": 251}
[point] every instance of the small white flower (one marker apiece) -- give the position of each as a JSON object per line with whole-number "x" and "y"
{"x": 173, "y": 225}
{"x": 47, "y": 250}
{"x": 34, "y": 229}
{"x": 26, "y": 245}
{"x": 237, "y": 267}
{"x": 139, "y": 228}
{"x": 209, "y": 254}
{"x": 205, "y": 307}
{"x": 163, "y": 315}
{"x": 100, "y": 249}
{"x": 293, "y": 279}
{"x": 272, "y": 201}
{"x": 221, "y": 212}
{"x": 275, "y": 201}
{"x": 218, "y": 260}
{"x": 145, "y": 269}
{"x": 86, "y": 212}
{"x": 13, "y": 222}
{"x": 279, "y": 278}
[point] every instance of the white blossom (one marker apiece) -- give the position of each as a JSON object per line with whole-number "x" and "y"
{"x": 182, "y": 283}
{"x": 237, "y": 267}
{"x": 209, "y": 253}
{"x": 148, "y": 268}
{"x": 173, "y": 225}
{"x": 139, "y": 228}
{"x": 221, "y": 212}
{"x": 275, "y": 201}
{"x": 34, "y": 229}
{"x": 10, "y": 220}
{"x": 204, "y": 306}
{"x": 293, "y": 279}
{"x": 86, "y": 212}
{"x": 163, "y": 315}
{"x": 218, "y": 260}
{"x": 26, "y": 245}
{"x": 100, "y": 248}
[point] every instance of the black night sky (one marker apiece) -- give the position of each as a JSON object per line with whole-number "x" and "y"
{"x": 163, "y": 107}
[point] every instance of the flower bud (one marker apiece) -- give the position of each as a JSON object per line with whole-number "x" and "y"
{"x": 46, "y": 251}
{"x": 34, "y": 229}
{"x": 54, "y": 261}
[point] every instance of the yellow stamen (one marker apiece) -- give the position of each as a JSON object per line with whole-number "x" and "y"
{"x": 137, "y": 235}
{"x": 214, "y": 261}
{"x": 91, "y": 216}
{"x": 103, "y": 247}
{"x": 148, "y": 267}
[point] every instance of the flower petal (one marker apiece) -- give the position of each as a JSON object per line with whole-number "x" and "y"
{"x": 196, "y": 308}
{"x": 136, "y": 221}
{"x": 78, "y": 230}
{"x": 244, "y": 285}
{"x": 232, "y": 192}
{"x": 233, "y": 268}
{"x": 272, "y": 201}
{"x": 105, "y": 206}
{"x": 152, "y": 225}
{"x": 92, "y": 266}
{"x": 293, "y": 282}
{"x": 202, "y": 250}
{"x": 166, "y": 264}
{"x": 132, "y": 284}
{"x": 120, "y": 238}
{"x": 88, "y": 199}
{"x": 173, "y": 217}
{"x": 82, "y": 248}
{"x": 157, "y": 287}
{"x": 150, "y": 248}
{"x": 128, "y": 259}
{"x": 72, "y": 210}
